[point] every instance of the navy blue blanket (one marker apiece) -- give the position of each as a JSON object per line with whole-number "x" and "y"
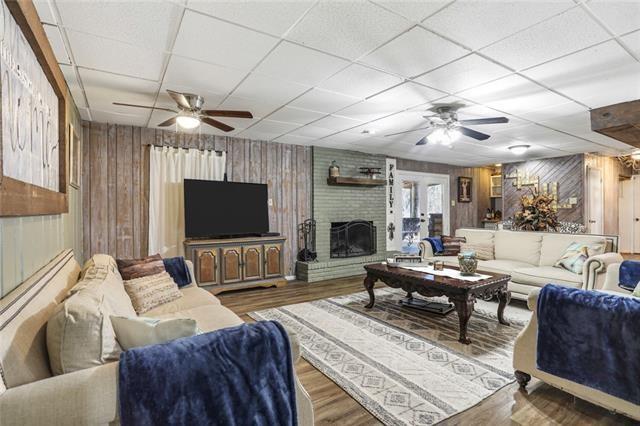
{"x": 235, "y": 376}
{"x": 177, "y": 268}
{"x": 629, "y": 274}
{"x": 591, "y": 338}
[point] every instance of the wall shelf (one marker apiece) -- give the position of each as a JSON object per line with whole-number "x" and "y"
{"x": 355, "y": 181}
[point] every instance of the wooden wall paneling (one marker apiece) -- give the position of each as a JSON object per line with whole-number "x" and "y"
{"x": 111, "y": 188}
{"x": 136, "y": 194}
{"x": 99, "y": 189}
{"x": 144, "y": 192}
{"x": 124, "y": 209}
{"x": 237, "y": 148}
{"x": 254, "y": 164}
{"x": 271, "y": 178}
{"x": 288, "y": 211}
{"x": 86, "y": 191}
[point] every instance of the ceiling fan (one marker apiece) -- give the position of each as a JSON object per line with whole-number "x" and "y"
{"x": 190, "y": 113}
{"x": 444, "y": 127}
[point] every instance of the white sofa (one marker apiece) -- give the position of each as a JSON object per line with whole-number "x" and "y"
{"x": 529, "y": 258}
{"x": 525, "y": 348}
{"x": 31, "y": 395}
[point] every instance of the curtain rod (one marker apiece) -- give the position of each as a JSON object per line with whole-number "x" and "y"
{"x": 186, "y": 149}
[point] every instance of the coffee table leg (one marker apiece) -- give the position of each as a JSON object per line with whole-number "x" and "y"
{"x": 369, "y": 282}
{"x": 504, "y": 296}
{"x": 464, "y": 308}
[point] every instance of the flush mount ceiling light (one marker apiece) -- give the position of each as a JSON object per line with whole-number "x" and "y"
{"x": 188, "y": 121}
{"x": 519, "y": 149}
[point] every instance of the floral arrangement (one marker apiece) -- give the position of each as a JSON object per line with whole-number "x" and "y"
{"x": 537, "y": 213}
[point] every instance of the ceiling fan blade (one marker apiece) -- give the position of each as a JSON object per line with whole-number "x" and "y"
{"x": 422, "y": 141}
{"x": 473, "y": 134}
{"x": 169, "y": 122}
{"x": 408, "y": 131}
{"x": 179, "y": 98}
{"x": 226, "y": 113}
{"x": 144, "y": 106}
{"x": 476, "y": 121}
{"x": 217, "y": 124}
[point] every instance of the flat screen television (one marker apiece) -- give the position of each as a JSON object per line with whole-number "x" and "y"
{"x": 220, "y": 209}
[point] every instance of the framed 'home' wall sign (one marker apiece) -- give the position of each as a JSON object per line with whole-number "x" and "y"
{"x": 33, "y": 143}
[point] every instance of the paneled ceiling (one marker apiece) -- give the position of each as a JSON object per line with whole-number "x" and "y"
{"x": 344, "y": 74}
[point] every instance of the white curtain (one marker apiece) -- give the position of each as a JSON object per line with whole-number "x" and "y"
{"x": 168, "y": 168}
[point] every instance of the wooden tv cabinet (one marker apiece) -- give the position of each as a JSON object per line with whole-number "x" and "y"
{"x": 234, "y": 263}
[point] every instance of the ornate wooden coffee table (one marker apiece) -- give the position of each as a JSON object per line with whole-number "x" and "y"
{"x": 461, "y": 293}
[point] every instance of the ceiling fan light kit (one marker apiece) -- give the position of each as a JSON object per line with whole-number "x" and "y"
{"x": 190, "y": 113}
{"x": 519, "y": 149}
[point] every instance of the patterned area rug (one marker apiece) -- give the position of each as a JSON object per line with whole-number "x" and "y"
{"x": 404, "y": 365}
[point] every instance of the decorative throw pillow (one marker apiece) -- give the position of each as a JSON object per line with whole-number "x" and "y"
{"x": 576, "y": 254}
{"x": 483, "y": 251}
{"x": 142, "y": 331}
{"x": 151, "y": 291}
{"x": 451, "y": 245}
{"x": 177, "y": 268}
{"x": 136, "y": 268}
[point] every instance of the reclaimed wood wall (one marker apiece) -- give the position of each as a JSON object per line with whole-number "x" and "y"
{"x": 463, "y": 215}
{"x": 567, "y": 171}
{"x": 115, "y": 188}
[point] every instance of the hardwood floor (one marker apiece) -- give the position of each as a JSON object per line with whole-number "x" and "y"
{"x": 541, "y": 405}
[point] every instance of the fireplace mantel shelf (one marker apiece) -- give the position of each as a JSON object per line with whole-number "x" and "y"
{"x": 355, "y": 181}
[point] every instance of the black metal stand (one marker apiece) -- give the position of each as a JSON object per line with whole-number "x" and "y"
{"x": 426, "y": 305}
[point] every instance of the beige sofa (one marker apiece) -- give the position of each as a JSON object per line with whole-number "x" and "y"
{"x": 30, "y": 395}
{"x": 529, "y": 258}
{"x": 524, "y": 356}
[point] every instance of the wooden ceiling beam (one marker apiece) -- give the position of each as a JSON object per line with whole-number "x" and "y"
{"x": 619, "y": 121}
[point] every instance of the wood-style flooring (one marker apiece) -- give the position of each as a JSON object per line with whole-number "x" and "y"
{"x": 541, "y": 405}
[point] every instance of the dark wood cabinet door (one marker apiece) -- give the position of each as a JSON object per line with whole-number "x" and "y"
{"x": 273, "y": 260}
{"x": 207, "y": 266}
{"x": 231, "y": 264}
{"x": 252, "y": 262}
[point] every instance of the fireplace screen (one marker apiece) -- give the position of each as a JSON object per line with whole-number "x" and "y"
{"x": 350, "y": 239}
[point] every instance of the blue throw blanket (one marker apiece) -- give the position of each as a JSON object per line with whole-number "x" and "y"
{"x": 591, "y": 338}
{"x": 177, "y": 268}
{"x": 629, "y": 275}
{"x": 235, "y": 376}
{"x": 436, "y": 244}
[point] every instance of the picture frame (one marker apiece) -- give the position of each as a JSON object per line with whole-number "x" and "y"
{"x": 33, "y": 163}
{"x": 74, "y": 158}
{"x": 464, "y": 189}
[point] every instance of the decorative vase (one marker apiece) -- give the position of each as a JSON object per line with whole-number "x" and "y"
{"x": 334, "y": 170}
{"x": 468, "y": 264}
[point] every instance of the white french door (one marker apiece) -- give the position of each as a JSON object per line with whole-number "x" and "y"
{"x": 595, "y": 197}
{"x": 629, "y": 215}
{"x": 424, "y": 202}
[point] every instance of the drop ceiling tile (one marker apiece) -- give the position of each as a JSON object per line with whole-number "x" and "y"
{"x": 296, "y": 115}
{"x": 211, "y": 40}
{"x": 407, "y": 95}
{"x": 267, "y": 130}
{"x": 367, "y": 111}
{"x": 269, "y": 16}
{"x": 548, "y": 40}
{"x": 116, "y": 118}
{"x": 102, "y": 89}
{"x": 513, "y": 95}
{"x": 259, "y": 109}
{"x": 74, "y": 85}
{"x": 619, "y": 16}
{"x": 399, "y": 56}
{"x": 113, "y": 56}
{"x": 632, "y": 42}
{"x": 337, "y": 123}
{"x": 43, "y": 7}
{"x": 292, "y": 62}
{"x": 478, "y": 23}
{"x": 360, "y": 81}
{"x": 558, "y": 110}
{"x": 347, "y": 29}
{"x": 464, "y": 73}
{"x": 294, "y": 140}
{"x": 414, "y": 10}
{"x": 602, "y": 75}
{"x": 270, "y": 90}
{"x": 55, "y": 40}
{"x": 147, "y": 24}
{"x": 201, "y": 76}
{"x": 312, "y": 131}
{"x": 399, "y": 122}
{"x": 323, "y": 101}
